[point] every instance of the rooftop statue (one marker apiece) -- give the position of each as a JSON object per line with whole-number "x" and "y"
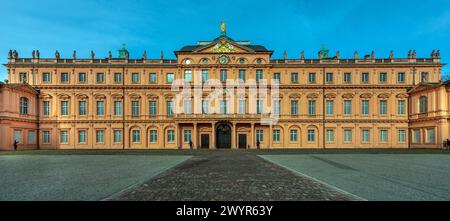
{"x": 391, "y": 54}
{"x": 223, "y": 28}
{"x": 33, "y": 54}
{"x": 38, "y": 54}
{"x": 10, "y": 54}
{"x": 92, "y": 55}
{"x": 74, "y": 55}
{"x": 57, "y": 55}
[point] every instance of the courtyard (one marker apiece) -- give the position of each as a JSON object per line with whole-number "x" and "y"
{"x": 311, "y": 174}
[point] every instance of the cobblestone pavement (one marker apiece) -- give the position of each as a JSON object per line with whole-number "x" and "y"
{"x": 230, "y": 175}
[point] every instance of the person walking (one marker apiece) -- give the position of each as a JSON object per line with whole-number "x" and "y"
{"x": 15, "y": 145}
{"x": 190, "y": 144}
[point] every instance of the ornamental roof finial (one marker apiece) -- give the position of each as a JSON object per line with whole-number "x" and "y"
{"x": 223, "y": 28}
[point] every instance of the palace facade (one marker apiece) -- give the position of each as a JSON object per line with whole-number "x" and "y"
{"x": 123, "y": 103}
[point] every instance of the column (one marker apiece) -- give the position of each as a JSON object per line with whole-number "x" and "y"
{"x": 270, "y": 136}
{"x": 252, "y": 135}
{"x": 213, "y": 136}
{"x": 194, "y": 134}
{"x": 233, "y": 137}
{"x": 178, "y": 135}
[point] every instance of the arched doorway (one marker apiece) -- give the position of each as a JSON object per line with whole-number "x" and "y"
{"x": 223, "y": 134}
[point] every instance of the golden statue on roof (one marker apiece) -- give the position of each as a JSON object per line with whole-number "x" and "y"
{"x": 223, "y": 27}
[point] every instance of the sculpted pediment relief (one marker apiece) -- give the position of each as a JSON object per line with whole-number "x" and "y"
{"x": 348, "y": 95}
{"x": 403, "y": 95}
{"x": 330, "y": 95}
{"x": 152, "y": 96}
{"x": 82, "y": 96}
{"x": 295, "y": 95}
{"x": 63, "y": 96}
{"x": 365, "y": 95}
{"x": 384, "y": 95}
{"x": 223, "y": 46}
{"x": 312, "y": 95}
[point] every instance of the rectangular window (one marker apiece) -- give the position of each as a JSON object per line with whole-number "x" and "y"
{"x": 242, "y": 75}
{"x": 117, "y": 108}
{"x": 312, "y": 107}
{"x": 81, "y": 77}
{"x": 64, "y": 137}
{"x": 205, "y": 75}
{"x": 416, "y": 136}
{"x": 430, "y": 136}
{"x": 82, "y": 136}
{"x": 46, "y": 78}
{"x": 329, "y": 107}
{"x": 365, "y": 107}
{"x": 64, "y": 77}
{"x": 383, "y": 107}
{"x": 135, "y": 108}
{"x": 18, "y": 136}
{"x": 277, "y": 107}
{"x": 365, "y": 78}
{"x": 294, "y": 135}
{"x": 401, "y": 77}
{"x": 187, "y": 136}
{"x": 259, "y": 135}
{"x": 347, "y": 107}
{"x": 136, "y": 136}
{"x": 152, "y": 108}
{"x": 117, "y": 78}
{"x": 31, "y": 137}
{"x": 330, "y": 136}
{"x": 188, "y": 75}
{"x": 401, "y": 107}
{"x": 259, "y": 107}
{"x": 169, "y": 108}
{"x": 276, "y": 135}
{"x": 170, "y": 136}
{"x": 223, "y": 107}
{"x": 23, "y": 78}
{"x": 100, "y": 108}
{"x": 312, "y": 78}
{"x": 187, "y": 106}
{"x": 259, "y": 75}
{"x": 135, "y": 78}
{"x": 46, "y": 107}
{"x": 205, "y": 107}
{"x": 329, "y": 78}
{"x": 311, "y": 135}
{"x": 277, "y": 77}
{"x": 365, "y": 136}
{"x": 383, "y": 136}
{"x": 223, "y": 75}
{"x": 383, "y": 77}
{"x": 117, "y": 136}
{"x": 402, "y": 136}
{"x": 169, "y": 77}
{"x": 294, "y": 108}
{"x": 46, "y": 137}
{"x": 242, "y": 106}
{"x": 294, "y": 78}
{"x": 64, "y": 108}
{"x": 100, "y": 78}
{"x": 423, "y": 104}
{"x": 153, "y": 136}
{"x": 99, "y": 135}
{"x": 82, "y": 109}
{"x": 152, "y": 78}
{"x": 347, "y": 136}
{"x": 347, "y": 78}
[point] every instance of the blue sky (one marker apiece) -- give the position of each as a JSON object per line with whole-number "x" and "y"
{"x": 160, "y": 25}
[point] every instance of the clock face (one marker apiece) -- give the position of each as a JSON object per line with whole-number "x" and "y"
{"x": 223, "y": 59}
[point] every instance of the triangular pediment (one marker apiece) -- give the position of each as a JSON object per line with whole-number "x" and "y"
{"x": 421, "y": 87}
{"x": 223, "y": 45}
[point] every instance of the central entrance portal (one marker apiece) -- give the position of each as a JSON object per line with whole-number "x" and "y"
{"x": 223, "y": 133}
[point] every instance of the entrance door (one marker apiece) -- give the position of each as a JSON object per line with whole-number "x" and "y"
{"x": 242, "y": 141}
{"x": 223, "y": 136}
{"x": 205, "y": 141}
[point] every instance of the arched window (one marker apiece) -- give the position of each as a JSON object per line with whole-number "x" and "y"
{"x": 423, "y": 104}
{"x": 24, "y": 105}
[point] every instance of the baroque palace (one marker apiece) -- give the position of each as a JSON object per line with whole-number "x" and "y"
{"x": 325, "y": 102}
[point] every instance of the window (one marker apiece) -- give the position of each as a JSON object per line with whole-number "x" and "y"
{"x": 242, "y": 106}
{"x": 117, "y": 136}
{"x": 99, "y": 136}
{"x": 401, "y": 77}
{"x": 242, "y": 75}
{"x": 223, "y": 107}
{"x": 277, "y": 77}
{"x": 64, "y": 137}
{"x": 135, "y": 78}
{"x": 365, "y": 107}
{"x": 259, "y": 75}
{"x": 23, "y": 105}
{"x": 259, "y": 135}
{"x": 383, "y": 77}
{"x": 259, "y": 107}
{"x": 416, "y": 137}
{"x": 294, "y": 108}
{"x": 430, "y": 136}
{"x": 153, "y": 136}
{"x": 294, "y": 77}
{"x": 223, "y": 74}
{"x": 330, "y": 136}
{"x": 169, "y": 77}
{"x": 117, "y": 78}
{"x": 383, "y": 107}
{"x": 46, "y": 78}
{"x": 329, "y": 78}
{"x": 135, "y": 108}
{"x": 276, "y": 135}
{"x": 187, "y": 105}
{"x": 187, "y": 136}
{"x": 424, "y": 77}
{"x": 82, "y": 136}
{"x": 383, "y": 136}
{"x": 347, "y": 136}
{"x": 423, "y": 104}
{"x": 365, "y": 78}
{"x": 136, "y": 136}
{"x": 188, "y": 75}
{"x": 402, "y": 136}
{"x": 329, "y": 107}
{"x": 205, "y": 75}
{"x": 311, "y": 135}
{"x": 348, "y": 78}
{"x": 23, "y": 77}
{"x": 347, "y": 107}
{"x": 81, "y": 77}
{"x": 277, "y": 107}
{"x": 152, "y": 108}
{"x": 100, "y": 78}
{"x": 64, "y": 77}
{"x": 205, "y": 107}
{"x": 82, "y": 110}
{"x": 169, "y": 108}
{"x": 294, "y": 134}
{"x": 31, "y": 136}
{"x": 46, "y": 137}
{"x": 401, "y": 107}
{"x": 117, "y": 108}
{"x": 18, "y": 136}
{"x": 100, "y": 108}
{"x": 152, "y": 78}
{"x": 365, "y": 136}
{"x": 64, "y": 108}
{"x": 312, "y": 107}
{"x": 170, "y": 136}
{"x": 312, "y": 78}
{"x": 46, "y": 106}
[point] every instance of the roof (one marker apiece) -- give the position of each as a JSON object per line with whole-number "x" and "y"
{"x": 191, "y": 48}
